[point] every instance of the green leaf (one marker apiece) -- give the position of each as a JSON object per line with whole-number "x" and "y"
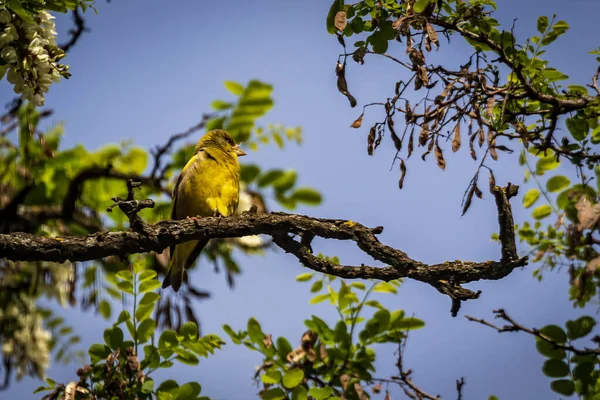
{"x": 546, "y": 164}
{"x": 578, "y": 90}
{"x": 125, "y": 286}
{"x": 530, "y": 197}
{"x": 316, "y": 286}
{"x": 579, "y": 328}
{"x": 578, "y": 127}
{"x": 234, "y": 87}
{"x": 148, "y": 286}
{"x": 319, "y": 298}
{"x": 542, "y": 24}
{"x": 292, "y": 378}
{"x": 16, "y": 6}
{"x": 269, "y": 177}
{"x": 123, "y": 316}
{"x": 234, "y": 336}
{"x": 286, "y": 181}
{"x": 98, "y": 352}
{"x": 113, "y": 337}
{"x": 272, "y": 377}
{"x": 255, "y": 332}
{"x": 189, "y": 330}
{"x": 555, "y": 333}
{"x": 145, "y": 330}
{"x": 304, "y": 277}
{"x": 385, "y": 287}
{"x": 188, "y": 391}
{"x": 420, "y": 5}
{"x": 168, "y": 340}
{"x": 104, "y": 309}
{"x": 299, "y": 393}
{"x": 149, "y": 298}
{"x": 143, "y": 311}
{"x": 329, "y": 22}
{"x": 185, "y": 356}
{"x": 546, "y": 349}
{"x": 596, "y": 135}
{"x": 542, "y": 211}
{"x": 220, "y": 105}
{"x": 409, "y": 323}
{"x": 555, "y": 368}
{"x": 557, "y": 183}
{"x": 283, "y": 348}
{"x": 275, "y": 393}
{"x": 125, "y": 275}
{"x": 249, "y": 172}
{"x": 358, "y": 285}
{"x": 563, "y": 386}
{"x": 320, "y": 393}
{"x": 379, "y": 42}
{"x": 146, "y": 275}
{"x": 584, "y": 371}
{"x": 307, "y": 196}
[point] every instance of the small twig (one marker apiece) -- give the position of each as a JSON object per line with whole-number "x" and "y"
{"x": 516, "y": 327}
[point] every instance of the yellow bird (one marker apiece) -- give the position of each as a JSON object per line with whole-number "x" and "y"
{"x": 209, "y": 185}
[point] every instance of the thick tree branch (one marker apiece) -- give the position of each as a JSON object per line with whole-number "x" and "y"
{"x": 445, "y": 277}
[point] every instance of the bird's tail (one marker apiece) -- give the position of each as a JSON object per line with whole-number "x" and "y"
{"x": 182, "y": 258}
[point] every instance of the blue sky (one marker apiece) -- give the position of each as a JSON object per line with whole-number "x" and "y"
{"x": 149, "y": 69}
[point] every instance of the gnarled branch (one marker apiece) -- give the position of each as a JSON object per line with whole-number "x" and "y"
{"x": 446, "y": 277}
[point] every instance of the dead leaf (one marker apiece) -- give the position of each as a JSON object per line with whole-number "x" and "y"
{"x": 481, "y": 135}
{"x": 587, "y": 214}
{"x": 359, "y": 55}
{"x": 472, "y": 147}
{"x": 492, "y": 144}
{"x": 388, "y": 396}
{"x": 323, "y": 351}
{"x": 371, "y": 140}
{"x": 376, "y": 389}
{"x": 424, "y": 135}
{"x": 489, "y": 107}
{"x": 492, "y": 182}
{"x": 399, "y": 21}
{"x": 358, "y": 122}
{"x": 411, "y": 143}
{"x": 593, "y": 265}
{"x": 296, "y": 355}
{"x": 432, "y": 35}
{"x": 429, "y": 149}
{"x": 70, "y": 390}
{"x": 416, "y": 57}
{"x": 456, "y": 138}
{"x": 468, "y": 200}
{"x": 342, "y": 84}
{"x": 439, "y": 156}
{"x": 268, "y": 340}
{"x": 408, "y": 114}
{"x": 477, "y": 191}
{"x": 344, "y": 379}
{"x": 340, "y": 20}
{"x": 402, "y": 173}
{"x": 422, "y": 74}
{"x": 395, "y": 138}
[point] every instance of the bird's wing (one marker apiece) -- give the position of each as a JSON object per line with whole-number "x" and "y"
{"x": 182, "y": 174}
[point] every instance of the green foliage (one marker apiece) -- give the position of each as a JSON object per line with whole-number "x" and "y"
{"x": 118, "y": 370}
{"x": 328, "y": 352}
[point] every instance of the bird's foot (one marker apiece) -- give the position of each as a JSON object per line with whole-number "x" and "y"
{"x": 195, "y": 219}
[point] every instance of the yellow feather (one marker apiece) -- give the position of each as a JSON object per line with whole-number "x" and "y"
{"x": 207, "y": 186}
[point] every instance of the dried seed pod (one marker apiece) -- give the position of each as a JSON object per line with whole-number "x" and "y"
{"x": 456, "y": 138}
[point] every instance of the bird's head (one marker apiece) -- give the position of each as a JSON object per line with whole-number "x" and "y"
{"x": 221, "y": 140}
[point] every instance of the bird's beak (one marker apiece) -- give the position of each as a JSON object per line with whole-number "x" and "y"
{"x": 239, "y": 152}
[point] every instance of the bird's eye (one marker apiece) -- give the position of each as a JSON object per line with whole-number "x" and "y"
{"x": 229, "y": 140}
